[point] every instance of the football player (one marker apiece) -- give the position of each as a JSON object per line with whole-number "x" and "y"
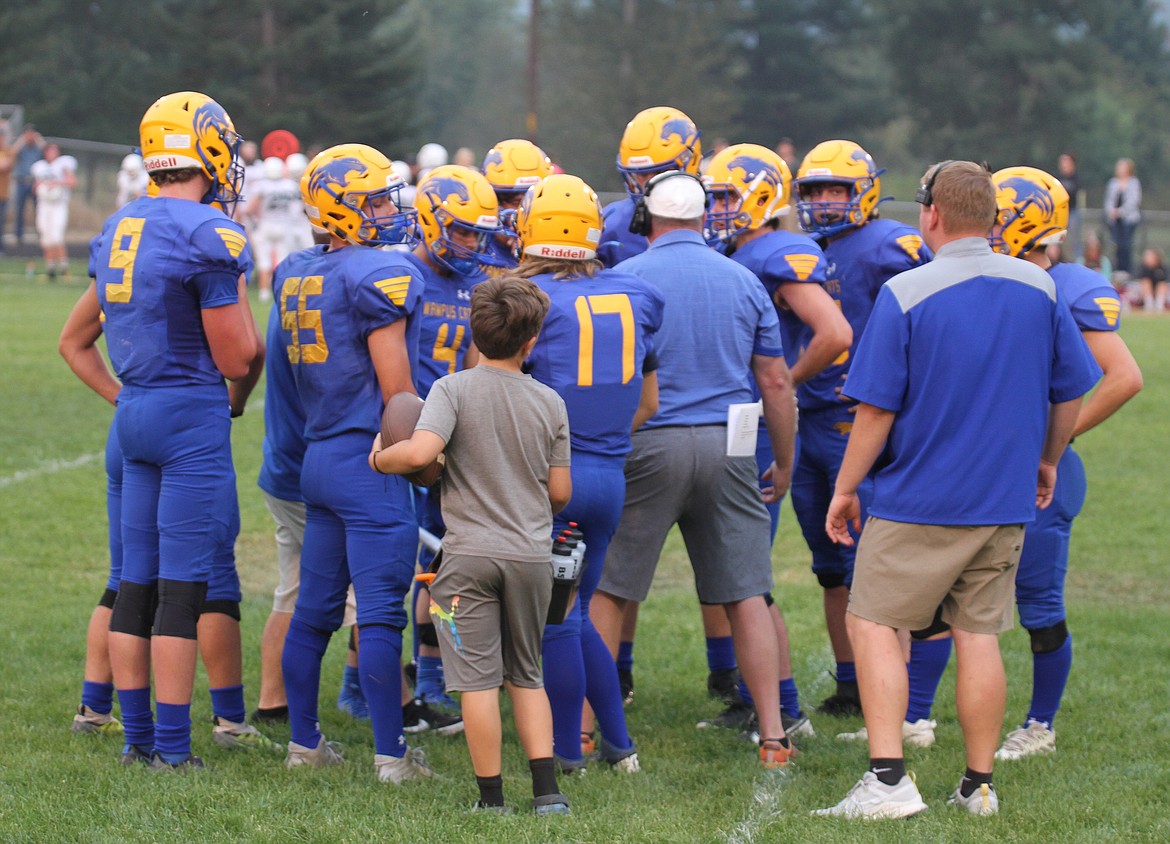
{"x": 177, "y": 323}
{"x": 838, "y": 190}
{"x": 595, "y": 350}
{"x": 511, "y": 167}
{"x": 274, "y": 208}
{"x": 656, "y": 140}
{"x": 346, "y": 328}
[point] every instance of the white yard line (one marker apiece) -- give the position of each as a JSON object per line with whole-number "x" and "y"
{"x": 764, "y": 809}
{"x": 51, "y": 467}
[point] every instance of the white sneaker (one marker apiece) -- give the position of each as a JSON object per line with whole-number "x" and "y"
{"x": 983, "y": 800}
{"x": 627, "y": 764}
{"x": 232, "y": 736}
{"x": 326, "y": 753}
{"x": 1030, "y": 739}
{"x": 871, "y": 799}
{"x": 412, "y": 766}
{"x": 920, "y": 733}
{"x": 88, "y": 721}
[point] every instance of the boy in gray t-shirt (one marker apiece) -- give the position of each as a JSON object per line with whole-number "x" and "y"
{"x": 505, "y": 437}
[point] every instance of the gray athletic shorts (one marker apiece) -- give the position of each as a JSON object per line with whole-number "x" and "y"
{"x": 290, "y": 536}
{"x": 682, "y": 476}
{"x": 489, "y": 615}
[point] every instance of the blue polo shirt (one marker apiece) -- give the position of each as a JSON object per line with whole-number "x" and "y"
{"x": 717, "y": 315}
{"x": 969, "y": 351}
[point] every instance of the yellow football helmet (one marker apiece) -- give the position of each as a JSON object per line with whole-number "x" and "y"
{"x": 658, "y": 139}
{"x": 560, "y": 218}
{"x": 1031, "y": 210}
{"x": 515, "y": 165}
{"x": 837, "y": 163}
{"x": 339, "y": 188}
{"x": 755, "y": 183}
{"x": 189, "y": 130}
{"x": 457, "y": 199}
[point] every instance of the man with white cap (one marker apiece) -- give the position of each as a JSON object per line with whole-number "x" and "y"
{"x": 718, "y": 327}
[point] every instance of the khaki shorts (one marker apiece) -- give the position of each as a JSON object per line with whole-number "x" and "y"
{"x": 905, "y": 572}
{"x": 290, "y": 536}
{"x": 489, "y": 616}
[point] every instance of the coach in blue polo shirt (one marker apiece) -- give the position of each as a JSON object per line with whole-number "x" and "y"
{"x": 718, "y": 327}
{"x": 970, "y": 375}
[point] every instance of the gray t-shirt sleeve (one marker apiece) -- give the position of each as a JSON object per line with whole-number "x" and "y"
{"x": 559, "y": 456}
{"x": 439, "y": 411}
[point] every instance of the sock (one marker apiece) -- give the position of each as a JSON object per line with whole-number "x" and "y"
{"x": 1049, "y": 677}
{"x": 790, "y": 698}
{"x": 172, "y": 735}
{"x": 301, "y": 663}
{"x": 491, "y": 790}
{"x": 888, "y": 771}
{"x": 602, "y": 688}
{"x": 971, "y": 781}
{"x": 98, "y": 696}
{"x": 380, "y": 666}
{"x": 544, "y": 776}
{"x": 564, "y": 682}
{"x": 846, "y": 672}
{"x": 430, "y": 677}
{"x": 720, "y": 653}
{"x": 137, "y": 718}
{"x": 351, "y": 683}
{"x": 414, "y": 638}
{"x": 745, "y": 693}
{"x": 273, "y": 712}
{"x": 928, "y": 661}
{"x": 228, "y": 703}
{"x": 625, "y": 657}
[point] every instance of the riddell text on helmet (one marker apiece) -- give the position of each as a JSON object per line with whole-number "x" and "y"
{"x": 571, "y": 252}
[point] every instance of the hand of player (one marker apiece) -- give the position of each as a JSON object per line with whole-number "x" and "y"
{"x": 1045, "y": 484}
{"x": 777, "y": 484}
{"x": 843, "y": 511}
{"x": 374, "y": 449}
{"x": 840, "y": 391}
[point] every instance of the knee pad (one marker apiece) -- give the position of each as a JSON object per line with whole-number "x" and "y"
{"x": 134, "y": 609}
{"x": 769, "y": 600}
{"x": 1045, "y": 640}
{"x": 933, "y": 629}
{"x": 427, "y": 635}
{"x": 179, "y": 605}
{"x": 108, "y": 598}
{"x": 229, "y": 608}
{"x": 830, "y": 579}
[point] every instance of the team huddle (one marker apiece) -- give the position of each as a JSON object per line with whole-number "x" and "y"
{"x": 593, "y": 377}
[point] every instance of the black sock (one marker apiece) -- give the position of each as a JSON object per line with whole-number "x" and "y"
{"x": 491, "y": 790}
{"x": 272, "y": 712}
{"x": 888, "y": 771}
{"x": 544, "y": 776}
{"x": 971, "y": 781}
{"x": 783, "y": 742}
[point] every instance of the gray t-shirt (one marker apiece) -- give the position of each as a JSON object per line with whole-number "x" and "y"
{"x": 503, "y": 431}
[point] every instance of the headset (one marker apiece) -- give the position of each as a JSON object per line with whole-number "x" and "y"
{"x": 640, "y": 221}
{"x": 925, "y": 193}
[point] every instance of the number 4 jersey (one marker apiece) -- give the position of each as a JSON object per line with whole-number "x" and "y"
{"x": 158, "y": 263}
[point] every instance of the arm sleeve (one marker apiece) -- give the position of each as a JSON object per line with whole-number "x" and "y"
{"x": 881, "y": 366}
{"x": 1074, "y": 370}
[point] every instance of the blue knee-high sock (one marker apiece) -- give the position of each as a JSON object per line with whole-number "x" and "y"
{"x": 98, "y": 696}
{"x": 430, "y": 677}
{"x": 625, "y": 657}
{"x": 720, "y": 653}
{"x": 1049, "y": 677}
{"x": 304, "y": 646}
{"x": 564, "y": 682}
{"x": 846, "y": 672}
{"x": 351, "y": 682}
{"x": 414, "y": 620}
{"x": 928, "y": 661}
{"x": 380, "y": 667}
{"x": 790, "y": 698}
{"x": 228, "y": 703}
{"x": 602, "y": 687}
{"x": 745, "y": 693}
{"x": 172, "y": 734}
{"x": 137, "y": 717}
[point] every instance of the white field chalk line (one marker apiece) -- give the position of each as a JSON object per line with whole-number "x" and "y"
{"x": 765, "y": 808}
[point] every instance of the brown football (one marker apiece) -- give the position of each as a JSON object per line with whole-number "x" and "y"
{"x": 398, "y": 421}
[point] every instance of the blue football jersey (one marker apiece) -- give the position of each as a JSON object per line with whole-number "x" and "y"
{"x": 503, "y": 254}
{"x": 158, "y": 263}
{"x": 617, "y": 243}
{"x": 1092, "y": 300}
{"x": 858, "y": 264}
{"x": 284, "y": 420}
{"x": 444, "y": 319}
{"x": 330, "y": 301}
{"x": 592, "y": 351}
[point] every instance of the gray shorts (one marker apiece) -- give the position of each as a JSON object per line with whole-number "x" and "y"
{"x": 489, "y": 615}
{"x": 682, "y": 476}
{"x": 290, "y": 536}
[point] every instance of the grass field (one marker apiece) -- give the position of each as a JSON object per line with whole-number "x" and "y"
{"x": 1107, "y": 781}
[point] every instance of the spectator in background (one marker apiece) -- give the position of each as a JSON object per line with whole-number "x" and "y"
{"x": 1123, "y": 199}
{"x": 1153, "y": 280}
{"x": 787, "y": 150}
{"x": 7, "y": 160}
{"x": 28, "y": 152}
{"x": 465, "y": 157}
{"x": 1071, "y": 181}
{"x": 54, "y": 176}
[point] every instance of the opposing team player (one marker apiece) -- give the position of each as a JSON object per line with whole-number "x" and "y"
{"x": 839, "y": 188}
{"x": 275, "y": 210}
{"x": 656, "y": 140}
{"x": 595, "y": 350}
{"x": 511, "y": 167}
{"x": 750, "y": 187}
{"x": 177, "y": 322}
{"x": 345, "y": 310}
